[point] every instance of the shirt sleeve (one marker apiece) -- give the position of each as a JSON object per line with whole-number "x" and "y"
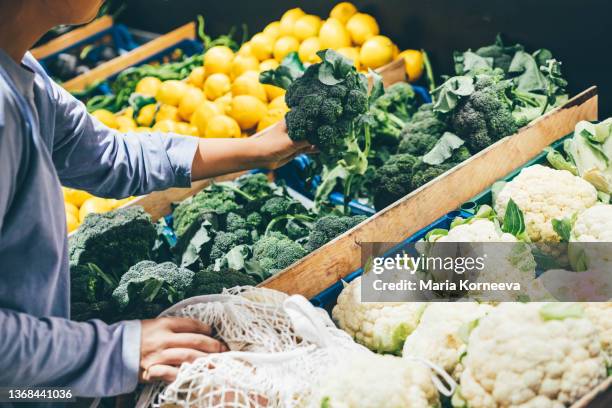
{"x": 108, "y": 163}
{"x": 91, "y": 358}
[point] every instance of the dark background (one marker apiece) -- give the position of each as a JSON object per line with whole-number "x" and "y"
{"x": 577, "y": 32}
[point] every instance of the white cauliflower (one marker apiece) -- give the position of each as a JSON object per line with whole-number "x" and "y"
{"x": 590, "y": 233}
{"x": 531, "y": 355}
{"x": 479, "y": 230}
{"x": 380, "y": 326}
{"x": 367, "y": 380}
{"x": 544, "y": 194}
{"x": 600, "y": 313}
{"x": 439, "y": 338}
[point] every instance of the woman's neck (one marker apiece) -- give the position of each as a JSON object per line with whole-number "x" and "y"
{"x": 20, "y": 28}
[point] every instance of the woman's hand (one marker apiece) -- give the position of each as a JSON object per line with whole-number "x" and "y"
{"x": 274, "y": 147}
{"x": 168, "y": 342}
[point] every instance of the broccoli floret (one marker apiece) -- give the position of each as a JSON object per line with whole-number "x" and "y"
{"x": 224, "y": 241}
{"x": 254, "y": 220}
{"x": 423, "y": 173}
{"x": 235, "y": 222}
{"x": 393, "y": 180}
{"x": 209, "y": 282}
{"x": 296, "y": 229}
{"x": 422, "y": 132}
{"x": 275, "y": 251}
{"x": 329, "y": 227}
{"x": 150, "y": 282}
{"x": 256, "y": 185}
{"x": 281, "y": 205}
{"x": 218, "y": 201}
{"x": 398, "y": 100}
{"x": 485, "y": 116}
{"x": 113, "y": 241}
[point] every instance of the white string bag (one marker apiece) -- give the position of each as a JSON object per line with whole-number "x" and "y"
{"x": 280, "y": 346}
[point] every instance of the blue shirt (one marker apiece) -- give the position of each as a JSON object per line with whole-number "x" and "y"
{"x": 47, "y": 138}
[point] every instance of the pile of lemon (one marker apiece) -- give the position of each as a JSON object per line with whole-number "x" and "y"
{"x": 79, "y": 203}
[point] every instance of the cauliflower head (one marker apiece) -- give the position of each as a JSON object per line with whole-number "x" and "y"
{"x": 479, "y": 230}
{"x": 544, "y": 194}
{"x": 380, "y": 326}
{"x": 600, "y": 313}
{"x": 593, "y": 225}
{"x": 367, "y": 380}
{"x": 438, "y": 336}
{"x": 531, "y": 355}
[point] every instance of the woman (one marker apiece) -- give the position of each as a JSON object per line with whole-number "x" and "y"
{"x": 47, "y": 139}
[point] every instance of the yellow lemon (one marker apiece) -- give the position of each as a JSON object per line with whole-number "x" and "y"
{"x": 186, "y": 129}
{"x": 245, "y": 49}
{"x": 218, "y": 59}
{"x": 122, "y": 202}
{"x": 362, "y": 27}
{"x": 272, "y": 30}
{"x": 242, "y": 64}
{"x": 284, "y": 46}
{"x": 222, "y": 126}
{"x": 126, "y": 124}
{"x": 396, "y": 51}
{"x": 413, "y": 60}
{"x": 75, "y": 197}
{"x": 146, "y": 115}
{"x": 170, "y": 92}
{"x": 165, "y": 126}
{"x": 167, "y": 112}
{"x": 376, "y": 52}
{"x": 224, "y": 102}
{"x": 189, "y": 102}
{"x": 128, "y": 112}
{"x": 249, "y": 85}
{"x": 288, "y": 20}
{"x": 216, "y": 86}
{"x": 94, "y": 205}
{"x": 205, "y": 111}
{"x": 247, "y": 110}
{"x": 106, "y": 117}
{"x": 307, "y": 26}
{"x": 196, "y": 77}
{"x": 268, "y": 65}
{"x": 71, "y": 209}
{"x": 148, "y": 86}
{"x": 271, "y": 117}
{"x": 343, "y": 11}
{"x": 351, "y": 53}
{"x": 262, "y": 46}
{"x": 334, "y": 35}
{"x": 274, "y": 91}
{"x": 308, "y": 50}
{"x": 278, "y": 102}
{"x": 72, "y": 221}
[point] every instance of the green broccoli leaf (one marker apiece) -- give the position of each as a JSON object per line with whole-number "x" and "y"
{"x": 514, "y": 221}
{"x": 563, "y": 227}
{"x": 197, "y": 242}
{"x": 556, "y": 159}
{"x": 443, "y": 149}
{"x": 334, "y": 68}
{"x": 378, "y": 89}
{"x": 288, "y": 71}
{"x": 447, "y": 95}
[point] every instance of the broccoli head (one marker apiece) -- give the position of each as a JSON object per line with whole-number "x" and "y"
{"x": 329, "y": 227}
{"x": 393, "y": 180}
{"x": 422, "y": 132}
{"x": 254, "y": 220}
{"x": 423, "y": 173}
{"x": 219, "y": 201}
{"x": 209, "y": 281}
{"x": 398, "y": 100}
{"x": 281, "y": 205}
{"x": 113, "y": 241}
{"x": 256, "y": 185}
{"x": 235, "y": 222}
{"x": 150, "y": 282}
{"x": 224, "y": 241}
{"x": 485, "y": 116}
{"x": 275, "y": 251}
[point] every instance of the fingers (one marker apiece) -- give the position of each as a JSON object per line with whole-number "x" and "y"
{"x": 173, "y": 357}
{"x": 195, "y": 341}
{"x": 159, "y": 372}
{"x": 187, "y": 325}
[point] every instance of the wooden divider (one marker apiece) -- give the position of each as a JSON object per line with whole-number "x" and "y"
{"x": 338, "y": 258}
{"x": 72, "y": 37}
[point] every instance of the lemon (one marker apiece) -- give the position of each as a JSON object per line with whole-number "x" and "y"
{"x": 106, "y": 117}
{"x": 396, "y": 52}
{"x": 218, "y": 59}
{"x": 343, "y": 11}
{"x": 146, "y": 115}
{"x": 272, "y": 30}
{"x": 271, "y": 117}
{"x": 351, "y": 53}
{"x": 245, "y": 49}
{"x": 278, "y": 102}
{"x": 268, "y": 65}
{"x": 205, "y": 111}
{"x": 222, "y": 126}
{"x": 307, "y": 26}
{"x": 216, "y": 86}
{"x": 126, "y": 124}
{"x": 362, "y": 27}
{"x": 165, "y": 126}
{"x": 128, "y": 112}
{"x": 308, "y": 50}
{"x": 224, "y": 102}
{"x": 242, "y": 64}
{"x": 75, "y": 197}
{"x": 247, "y": 110}
{"x": 167, "y": 112}
{"x": 249, "y": 85}
{"x": 274, "y": 91}
{"x": 170, "y": 92}
{"x": 189, "y": 102}
{"x": 94, "y": 205}
{"x": 72, "y": 221}
{"x": 284, "y": 46}
{"x": 148, "y": 86}
{"x": 413, "y": 60}
{"x": 186, "y": 129}
{"x": 288, "y": 20}
{"x": 376, "y": 52}
{"x": 196, "y": 77}
{"x": 122, "y": 202}
{"x": 334, "y": 35}
{"x": 71, "y": 209}
{"x": 262, "y": 46}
